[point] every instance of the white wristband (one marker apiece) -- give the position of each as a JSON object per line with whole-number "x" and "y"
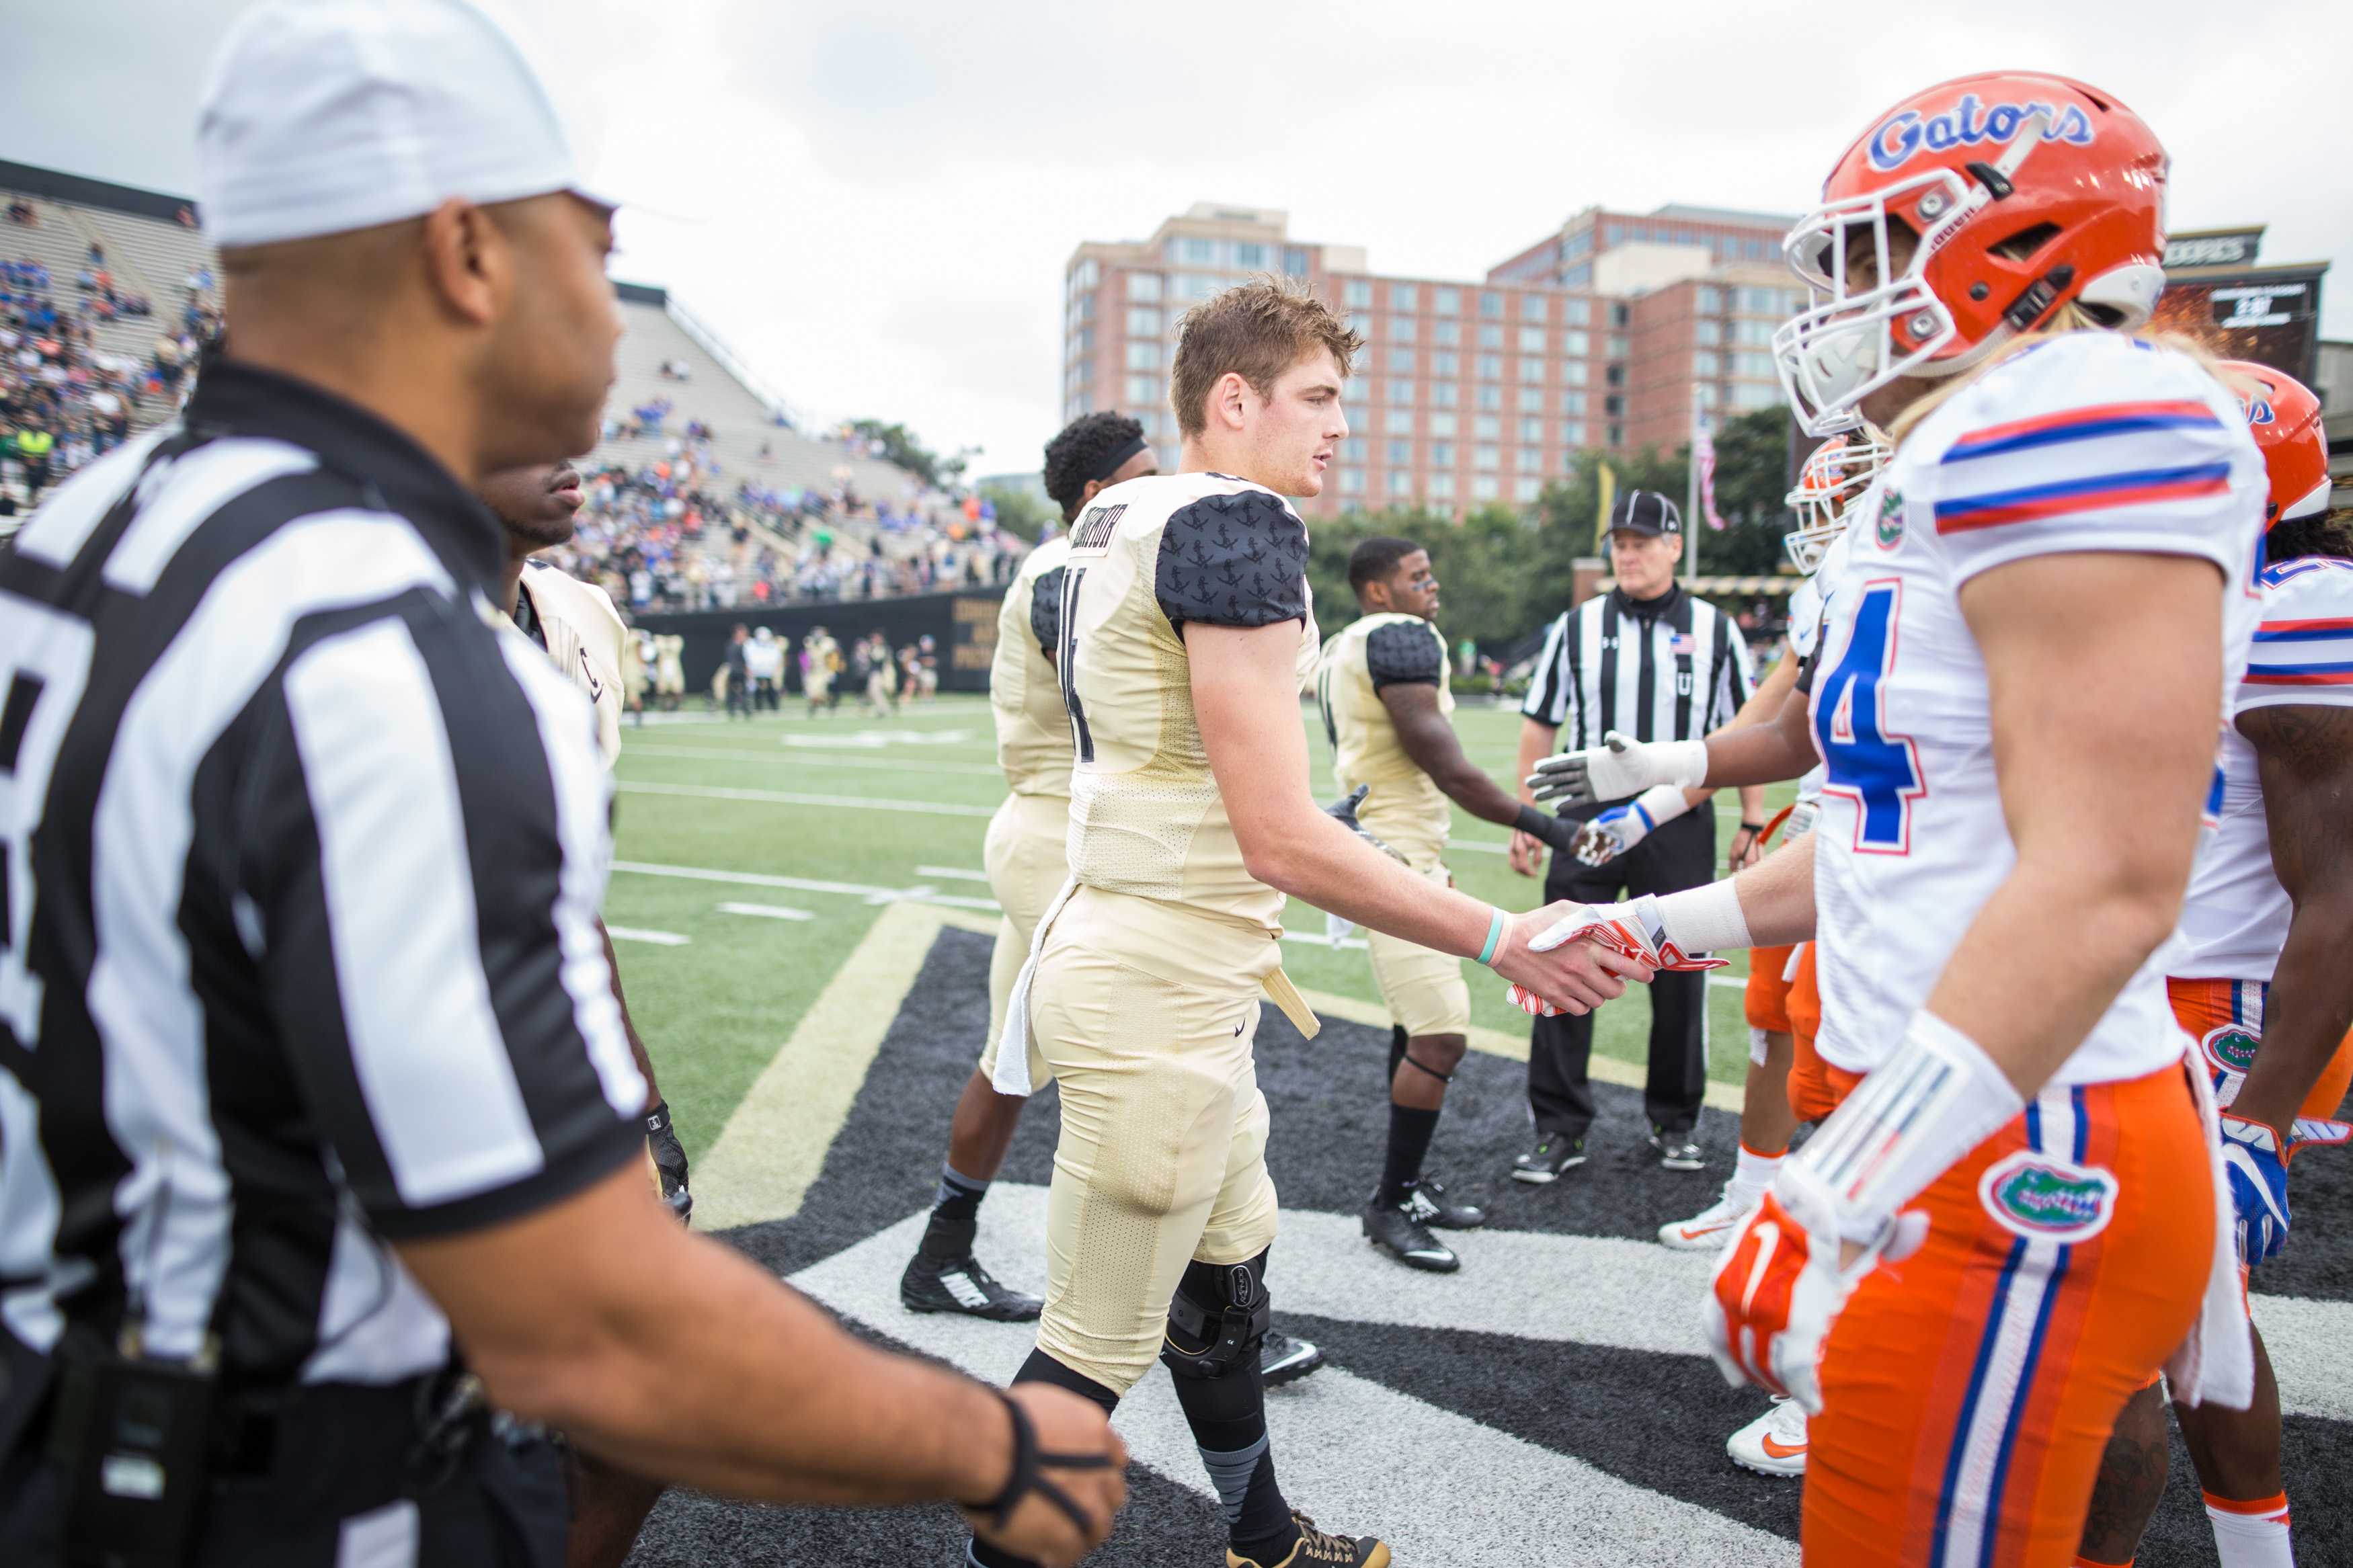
{"x": 1660, "y": 805}
{"x": 1682, "y": 764}
{"x": 1698, "y": 920}
{"x": 1936, "y": 1099}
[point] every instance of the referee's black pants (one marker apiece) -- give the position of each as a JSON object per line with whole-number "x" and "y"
{"x": 1678, "y": 856}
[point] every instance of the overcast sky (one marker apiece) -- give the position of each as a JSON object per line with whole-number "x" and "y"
{"x": 876, "y": 201}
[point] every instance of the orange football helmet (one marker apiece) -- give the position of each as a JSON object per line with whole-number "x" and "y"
{"x": 2284, "y": 418}
{"x": 2019, "y": 192}
{"x": 1834, "y": 478}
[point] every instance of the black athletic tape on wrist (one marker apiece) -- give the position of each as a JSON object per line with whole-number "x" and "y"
{"x": 658, "y": 1119}
{"x": 1752, "y": 827}
{"x": 1029, "y": 1462}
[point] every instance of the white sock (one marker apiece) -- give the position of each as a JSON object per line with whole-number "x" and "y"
{"x": 2251, "y": 1534}
{"x": 1751, "y": 1176}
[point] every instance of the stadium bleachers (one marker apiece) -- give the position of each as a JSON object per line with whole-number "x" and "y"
{"x": 800, "y": 514}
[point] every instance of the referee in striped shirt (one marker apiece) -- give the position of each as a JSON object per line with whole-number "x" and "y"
{"x": 1650, "y": 660}
{"x": 319, "y": 1130}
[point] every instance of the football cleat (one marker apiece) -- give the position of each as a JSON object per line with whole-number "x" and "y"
{"x": 1708, "y": 1230}
{"x": 1427, "y": 1202}
{"x": 1541, "y": 1166}
{"x": 1775, "y": 1443}
{"x": 1317, "y": 1549}
{"x": 1281, "y": 1358}
{"x": 1677, "y": 1150}
{"x": 962, "y": 1285}
{"x": 1393, "y": 1229}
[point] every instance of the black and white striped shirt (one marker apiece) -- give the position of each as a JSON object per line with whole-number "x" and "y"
{"x": 1672, "y": 669}
{"x": 304, "y": 848}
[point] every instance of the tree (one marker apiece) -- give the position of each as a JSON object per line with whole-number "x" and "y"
{"x": 1019, "y": 511}
{"x": 1751, "y": 462}
{"x": 902, "y": 447}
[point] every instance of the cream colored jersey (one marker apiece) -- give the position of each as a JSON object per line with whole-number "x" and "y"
{"x": 669, "y": 666}
{"x": 1406, "y": 809}
{"x": 1033, "y": 727}
{"x": 1147, "y": 559}
{"x": 576, "y": 624}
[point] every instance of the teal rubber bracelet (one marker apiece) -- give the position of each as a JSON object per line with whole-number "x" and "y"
{"x": 1494, "y": 935}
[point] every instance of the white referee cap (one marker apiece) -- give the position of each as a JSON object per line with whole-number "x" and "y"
{"x": 325, "y": 116}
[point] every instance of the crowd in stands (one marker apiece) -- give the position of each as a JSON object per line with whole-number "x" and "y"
{"x": 64, "y": 398}
{"x": 679, "y": 533}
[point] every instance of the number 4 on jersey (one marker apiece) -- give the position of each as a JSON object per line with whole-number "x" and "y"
{"x": 1879, "y": 771}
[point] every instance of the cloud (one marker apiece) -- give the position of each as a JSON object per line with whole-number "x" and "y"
{"x": 879, "y": 201}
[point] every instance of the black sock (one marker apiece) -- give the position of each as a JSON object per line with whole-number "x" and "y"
{"x": 1227, "y": 1415}
{"x": 1411, "y": 1129}
{"x": 956, "y": 1214}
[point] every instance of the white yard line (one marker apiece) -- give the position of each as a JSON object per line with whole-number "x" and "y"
{"x": 768, "y": 911}
{"x": 868, "y": 893}
{"x": 952, "y": 873}
{"x": 638, "y": 933}
{"x": 1474, "y": 1483}
{"x": 789, "y": 798}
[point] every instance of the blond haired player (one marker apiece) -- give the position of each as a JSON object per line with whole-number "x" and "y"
{"x": 1382, "y": 686}
{"x": 581, "y": 631}
{"x": 1184, "y": 610}
{"x": 2019, "y": 693}
{"x": 1026, "y": 865}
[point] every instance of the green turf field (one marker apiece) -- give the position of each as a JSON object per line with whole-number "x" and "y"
{"x": 797, "y": 833}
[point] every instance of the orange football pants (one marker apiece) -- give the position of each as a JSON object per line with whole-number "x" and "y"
{"x": 1766, "y": 999}
{"x": 1816, "y": 1087}
{"x": 2226, "y": 1018}
{"x": 1968, "y": 1391}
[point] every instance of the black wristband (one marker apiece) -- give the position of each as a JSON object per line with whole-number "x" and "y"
{"x": 1027, "y": 1474}
{"x": 1752, "y": 827}
{"x": 1024, "y": 1473}
{"x": 1535, "y": 822}
{"x": 658, "y": 1119}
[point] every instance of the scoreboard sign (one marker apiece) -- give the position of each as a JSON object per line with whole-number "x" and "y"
{"x": 2269, "y": 315}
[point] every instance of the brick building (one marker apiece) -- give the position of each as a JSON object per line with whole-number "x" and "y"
{"x": 1604, "y": 335}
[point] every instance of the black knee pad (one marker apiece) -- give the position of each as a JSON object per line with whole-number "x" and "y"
{"x": 1222, "y": 1307}
{"x": 1397, "y": 1051}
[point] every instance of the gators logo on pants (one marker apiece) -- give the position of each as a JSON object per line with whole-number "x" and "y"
{"x": 2041, "y": 1197}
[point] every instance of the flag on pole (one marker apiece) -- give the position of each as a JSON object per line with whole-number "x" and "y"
{"x": 1703, "y": 454}
{"x": 1607, "y": 485}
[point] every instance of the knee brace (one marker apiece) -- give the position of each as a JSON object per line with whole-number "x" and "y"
{"x": 1222, "y": 1307}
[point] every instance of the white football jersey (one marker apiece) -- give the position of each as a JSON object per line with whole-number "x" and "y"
{"x": 2091, "y": 442}
{"x": 1809, "y": 608}
{"x": 2234, "y": 922}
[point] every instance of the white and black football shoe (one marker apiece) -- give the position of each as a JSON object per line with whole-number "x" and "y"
{"x": 962, "y": 1285}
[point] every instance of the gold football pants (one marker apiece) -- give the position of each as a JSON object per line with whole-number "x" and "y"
{"x": 1146, "y": 1015}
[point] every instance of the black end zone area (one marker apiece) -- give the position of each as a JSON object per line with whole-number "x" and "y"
{"x": 1656, "y": 1420}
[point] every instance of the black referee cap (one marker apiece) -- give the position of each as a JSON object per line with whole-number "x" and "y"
{"x": 1645, "y": 511}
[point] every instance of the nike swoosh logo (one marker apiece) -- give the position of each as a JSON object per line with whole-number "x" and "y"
{"x": 1782, "y": 1450}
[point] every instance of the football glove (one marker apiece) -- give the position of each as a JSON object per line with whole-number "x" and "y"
{"x": 670, "y": 1161}
{"x": 2257, "y": 1168}
{"x": 1343, "y": 812}
{"x": 1781, "y": 1285}
{"x": 1631, "y": 930}
{"x": 1622, "y": 827}
{"x": 1618, "y": 768}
